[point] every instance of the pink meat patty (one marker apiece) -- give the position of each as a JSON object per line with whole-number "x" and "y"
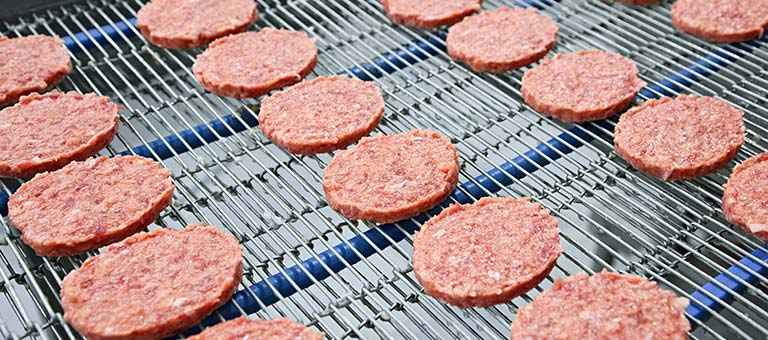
{"x": 251, "y": 64}
{"x": 429, "y": 13}
{"x": 90, "y": 204}
{"x": 502, "y": 40}
{"x": 193, "y": 23}
{"x": 390, "y": 178}
{"x": 745, "y": 201}
{"x": 603, "y": 306}
{"x": 721, "y": 20}
{"x": 581, "y": 86}
{"x": 242, "y": 328}
{"x": 487, "y": 253}
{"x": 680, "y": 138}
{"x": 29, "y": 64}
{"x": 322, "y": 114}
{"x": 152, "y": 285}
{"x": 47, "y": 131}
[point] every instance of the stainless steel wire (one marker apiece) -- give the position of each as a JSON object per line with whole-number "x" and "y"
{"x": 611, "y": 216}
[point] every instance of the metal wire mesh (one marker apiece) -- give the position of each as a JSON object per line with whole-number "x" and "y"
{"x": 230, "y": 176}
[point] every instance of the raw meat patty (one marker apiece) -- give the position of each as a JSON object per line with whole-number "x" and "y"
{"x": 251, "y": 64}
{"x": 47, "y": 131}
{"x": 242, "y": 328}
{"x": 721, "y": 20}
{"x": 582, "y": 86}
{"x": 322, "y": 114}
{"x": 29, "y": 64}
{"x": 393, "y": 177}
{"x": 603, "y": 306}
{"x": 487, "y": 253}
{"x": 745, "y": 201}
{"x": 502, "y": 40}
{"x": 680, "y": 138}
{"x": 429, "y": 13}
{"x": 152, "y": 285}
{"x": 90, "y": 204}
{"x": 193, "y": 23}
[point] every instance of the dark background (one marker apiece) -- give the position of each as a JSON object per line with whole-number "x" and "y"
{"x": 11, "y": 8}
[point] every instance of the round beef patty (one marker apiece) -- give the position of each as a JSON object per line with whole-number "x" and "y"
{"x": 31, "y": 63}
{"x": 721, "y": 20}
{"x": 429, "y": 13}
{"x": 502, "y": 40}
{"x": 322, "y": 114}
{"x": 581, "y": 86}
{"x": 90, "y": 204}
{"x": 680, "y": 138}
{"x": 193, "y": 23}
{"x": 745, "y": 200}
{"x": 487, "y": 253}
{"x": 47, "y": 131}
{"x": 242, "y": 328}
{"x": 603, "y": 306}
{"x": 152, "y": 285}
{"x": 390, "y": 178}
{"x": 251, "y": 64}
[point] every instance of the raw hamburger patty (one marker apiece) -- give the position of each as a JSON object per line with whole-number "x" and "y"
{"x": 322, "y": 114}
{"x": 721, "y": 20}
{"x": 29, "y": 64}
{"x": 47, "y": 131}
{"x": 193, "y": 23}
{"x": 251, "y": 64}
{"x": 745, "y": 201}
{"x": 390, "y": 178}
{"x": 603, "y": 306}
{"x": 242, "y": 328}
{"x": 680, "y": 138}
{"x": 581, "y": 86}
{"x": 482, "y": 254}
{"x": 152, "y": 285}
{"x": 90, "y": 204}
{"x": 429, "y": 13}
{"x": 502, "y": 40}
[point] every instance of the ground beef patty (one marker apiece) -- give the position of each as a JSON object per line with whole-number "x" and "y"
{"x": 40, "y": 140}
{"x": 193, "y": 23}
{"x": 429, "y": 13}
{"x": 152, "y": 285}
{"x": 29, "y": 64}
{"x": 721, "y": 20}
{"x": 502, "y": 40}
{"x": 680, "y": 138}
{"x": 482, "y": 254}
{"x": 581, "y": 86}
{"x": 251, "y": 64}
{"x": 745, "y": 201}
{"x": 322, "y": 114}
{"x": 242, "y": 328}
{"x": 390, "y": 178}
{"x": 90, "y": 204}
{"x": 603, "y": 306}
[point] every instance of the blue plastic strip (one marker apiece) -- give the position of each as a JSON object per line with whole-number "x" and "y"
{"x": 700, "y": 299}
{"x": 126, "y": 28}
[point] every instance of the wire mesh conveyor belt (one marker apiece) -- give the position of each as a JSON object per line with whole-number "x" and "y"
{"x": 353, "y": 279}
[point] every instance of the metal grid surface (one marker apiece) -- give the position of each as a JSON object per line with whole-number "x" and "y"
{"x": 360, "y": 283}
